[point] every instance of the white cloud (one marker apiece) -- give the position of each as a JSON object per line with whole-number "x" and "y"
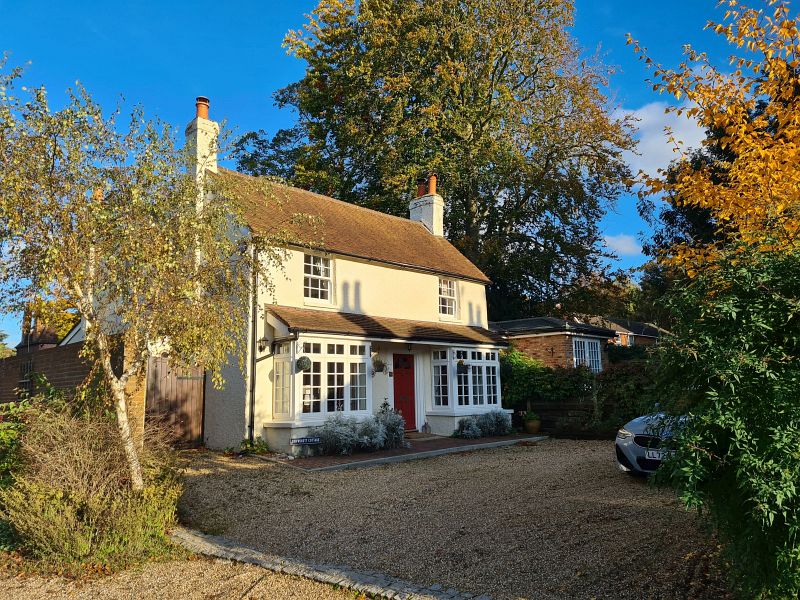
{"x": 654, "y": 151}
{"x": 623, "y": 244}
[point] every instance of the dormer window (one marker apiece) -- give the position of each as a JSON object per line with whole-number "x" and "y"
{"x": 317, "y": 280}
{"x": 447, "y": 298}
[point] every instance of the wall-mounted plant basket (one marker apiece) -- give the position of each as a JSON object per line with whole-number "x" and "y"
{"x": 462, "y": 367}
{"x": 378, "y": 366}
{"x": 302, "y": 364}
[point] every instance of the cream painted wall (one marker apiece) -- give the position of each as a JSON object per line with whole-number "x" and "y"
{"x": 379, "y": 290}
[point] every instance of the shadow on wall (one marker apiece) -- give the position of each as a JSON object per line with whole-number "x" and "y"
{"x": 356, "y": 306}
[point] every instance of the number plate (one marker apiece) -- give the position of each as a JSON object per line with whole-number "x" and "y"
{"x": 654, "y": 454}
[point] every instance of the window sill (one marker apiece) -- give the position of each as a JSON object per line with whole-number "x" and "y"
{"x": 318, "y": 303}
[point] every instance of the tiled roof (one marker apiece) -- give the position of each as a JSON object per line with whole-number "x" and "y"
{"x": 351, "y": 230}
{"x": 323, "y": 321}
{"x": 625, "y": 326}
{"x": 536, "y": 325}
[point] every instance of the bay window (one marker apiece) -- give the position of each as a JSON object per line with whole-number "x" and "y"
{"x": 474, "y": 373}
{"x": 337, "y": 381}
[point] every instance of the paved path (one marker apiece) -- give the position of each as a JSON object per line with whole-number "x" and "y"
{"x": 420, "y": 448}
{"x": 375, "y": 584}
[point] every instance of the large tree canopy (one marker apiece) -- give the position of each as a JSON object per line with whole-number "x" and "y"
{"x": 493, "y": 96}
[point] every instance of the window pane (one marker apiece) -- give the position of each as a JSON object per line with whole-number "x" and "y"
{"x": 440, "y": 387}
{"x": 358, "y": 386}
{"x": 462, "y": 388}
{"x": 335, "y": 386}
{"x": 477, "y": 384}
{"x": 491, "y": 385}
{"x": 312, "y": 388}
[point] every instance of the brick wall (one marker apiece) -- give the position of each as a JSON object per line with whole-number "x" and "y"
{"x": 62, "y": 366}
{"x": 553, "y": 350}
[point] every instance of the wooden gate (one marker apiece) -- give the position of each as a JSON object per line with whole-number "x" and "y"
{"x": 175, "y": 397}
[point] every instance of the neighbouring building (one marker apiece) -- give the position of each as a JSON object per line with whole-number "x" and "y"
{"x": 557, "y": 342}
{"x": 626, "y": 332}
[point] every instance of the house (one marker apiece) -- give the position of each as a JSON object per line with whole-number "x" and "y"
{"x": 626, "y": 332}
{"x": 557, "y": 342}
{"x": 381, "y": 310}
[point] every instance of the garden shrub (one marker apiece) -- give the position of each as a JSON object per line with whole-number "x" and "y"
{"x": 71, "y": 503}
{"x": 622, "y": 354}
{"x": 494, "y": 422}
{"x": 732, "y": 365}
{"x": 394, "y": 426}
{"x": 371, "y": 435}
{"x": 468, "y": 428}
{"x": 344, "y": 435}
{"x": 625, "y": 391}
{"x": 337, "y": 434}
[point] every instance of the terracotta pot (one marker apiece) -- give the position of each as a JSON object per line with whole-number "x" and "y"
{"x": 533, "y": 426}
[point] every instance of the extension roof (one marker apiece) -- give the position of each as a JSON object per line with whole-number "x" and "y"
{"x": 351, "y": 230}
{"x": 536, "y": 325}
{"x": 626, "y": 326}
{"x": 303, "y": 320}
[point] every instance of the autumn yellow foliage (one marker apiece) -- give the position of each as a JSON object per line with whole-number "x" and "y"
{"x": 753, "y": 105}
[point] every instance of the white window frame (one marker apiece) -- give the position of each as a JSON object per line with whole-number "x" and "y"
{"x": 282, "y": 380}
{"x": 441, "y": 379}
{"x": 478, "y": 373}
{"x": 448, "y": 299}
{"x": 587, "y": 352}
{"x": 336, "y": 350}
{"x": 325, "y": 279}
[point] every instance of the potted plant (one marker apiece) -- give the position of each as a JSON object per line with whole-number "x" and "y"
{"x": 461, "y": 367}
{"x": 303, "y": 364}
{"x": 378, "y": 366}
{"x": 533, "y": 423}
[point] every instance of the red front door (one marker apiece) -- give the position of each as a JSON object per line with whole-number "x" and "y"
{"x": 404, "y": 388}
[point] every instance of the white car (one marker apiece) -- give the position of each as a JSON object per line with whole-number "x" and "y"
{"x": 640, "y": 444}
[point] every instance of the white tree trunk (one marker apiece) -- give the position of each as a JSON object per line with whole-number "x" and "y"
{"x": 131, "y": 452}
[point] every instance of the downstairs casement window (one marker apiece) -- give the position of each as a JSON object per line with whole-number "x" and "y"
{"x": 337, "y": 380}
{"x": 586, "y": 352}
{"x": 477, "y": 384}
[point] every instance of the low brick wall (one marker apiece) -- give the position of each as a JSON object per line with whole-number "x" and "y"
{"x": 62, "y": 365}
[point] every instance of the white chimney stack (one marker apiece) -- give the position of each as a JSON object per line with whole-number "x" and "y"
{"x": 201, "y": 139}
{"x": 428, "y": 206}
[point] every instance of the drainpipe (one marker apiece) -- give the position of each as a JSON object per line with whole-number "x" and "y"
{"x": 253, "y": 348}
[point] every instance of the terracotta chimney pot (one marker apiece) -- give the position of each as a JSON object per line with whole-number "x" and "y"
{"x": 202, "y": 104}
{"x": 422, "y": 187}
{"x": 432, "y": 183}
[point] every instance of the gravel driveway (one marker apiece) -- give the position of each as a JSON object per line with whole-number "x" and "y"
{"x": 554, "y": 520}
{"x": 190, "y": 579}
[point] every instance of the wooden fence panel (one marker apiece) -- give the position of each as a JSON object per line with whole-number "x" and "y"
{"x": 175, "y": 396}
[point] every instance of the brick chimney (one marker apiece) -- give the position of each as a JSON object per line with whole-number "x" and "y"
{"x": 201, "y": 139}
{"x": 428, "y": 206}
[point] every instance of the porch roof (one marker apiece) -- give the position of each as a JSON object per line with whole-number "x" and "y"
{"x": 305, "y": 320}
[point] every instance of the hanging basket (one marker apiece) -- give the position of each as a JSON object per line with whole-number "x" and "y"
{"x": 302, "y": 364}
{"x": 462, "y": 367}
{"x": 378, "y": 365}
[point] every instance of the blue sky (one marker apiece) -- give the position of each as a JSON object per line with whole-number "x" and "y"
{"x": 163, "y": 54}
